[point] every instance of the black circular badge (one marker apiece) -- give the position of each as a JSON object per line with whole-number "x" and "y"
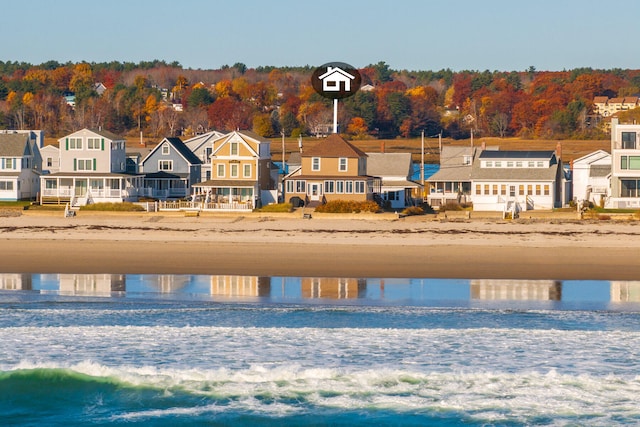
{"x": 336, "y": 80}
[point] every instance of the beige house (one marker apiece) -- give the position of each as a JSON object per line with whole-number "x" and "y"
{"x": 333, "y": 169}
{"x": 241, "y": 173}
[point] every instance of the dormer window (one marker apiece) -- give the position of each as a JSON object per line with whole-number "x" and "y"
{"x": 466, "y": 160}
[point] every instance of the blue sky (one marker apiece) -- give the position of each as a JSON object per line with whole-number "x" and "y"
{"x": 503, "y": 35}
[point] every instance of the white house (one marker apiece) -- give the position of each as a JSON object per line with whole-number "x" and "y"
{"x": 513, "y": 181}
{"x": 394, "y": 171}
{"x": 336, "y": 79}
{"x": 591, "y": 176}
{"x": 92, "y": 169}
{"x": 202, "y": 146}
{"x": 20, "y": 166}
{"x": 50, "y": 159}
{"x": 625, "y": 165}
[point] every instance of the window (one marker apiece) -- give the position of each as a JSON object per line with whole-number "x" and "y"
{"x": 540, "y": 164}
{"x": 342, "y": 164}
{"x": 49, "y": 162}
{"x": 466, "y": 160}
{"x": 339, "y": 186}
{"x": 531, "y": 164}
{"x": 529, "y": 189}
{"x": 488, "y": 164}
{"x": 630, "y": 162}
{"x": 93, "y": 143}
{"x": 503, "y": 190}
{"x": 498, "y": 164}
{"x": 97, "y": 184}
{"x": 486, "y": 189}
{"x": 518, "y": 164}
{"x": 246, "y": 171}
{"x": 165, "y": 149}
{"x": 512, "y": 191}
{"x": 75, "y": 144}
{"x": 328, "y": 186}
{"x": 315, "y": 163}
{"x": 495, "y": 190}
{"x": 84, "y": 164}
{"x": 289, "y": 188}
{"x": 348, "y": 187}
{"x": 509, "y": 164}
{"x": 6, "y": 185}
{"x": 233, "y": 170}
{"x": 8, "y": 163}
{"x": 521, "y": 190}
{"x": 221, "y": 170}
{"x": 165, "y": 165}
{"x": 301, "y": 186}
{"x": 538, "y": 190}
{"x": 546, "y": 189}
{"x": 478, "y": 189}
{"x": 51, "y": 184}
{"x": 234, "y": 148}
{"x": 629, "y": 188}
{"x": 628, "y": 140}
{"x": 360, "y": 187}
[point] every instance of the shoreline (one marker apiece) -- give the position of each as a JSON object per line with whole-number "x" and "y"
{"x": 410, "y": 247}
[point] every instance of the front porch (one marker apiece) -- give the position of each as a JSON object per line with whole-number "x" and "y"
{"x": 83, "y": 190}
{"x": 163, "y": 186}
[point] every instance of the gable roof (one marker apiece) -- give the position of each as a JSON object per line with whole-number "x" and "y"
{"x": 452, "y": 166}
{"x": 334, "y": 146}
{"x": 243, "y": 135}
{"x": 14, "y": 144}
{"x": 180, "y": 147}
{"x": 593, "y": 157}
{"x": 195, "y": 143}
{"x": 389, "y": 164}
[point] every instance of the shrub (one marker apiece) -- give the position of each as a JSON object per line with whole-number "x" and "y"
{"x": 348, "y": 206}
{"x": 113, "y": 207}
{"x": 413, "y": 210}
{"x": 277, "y": 207}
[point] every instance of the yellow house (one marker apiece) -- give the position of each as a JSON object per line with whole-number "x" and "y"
{"x": 333, "y": 169}
{"x": 240, "y": 172}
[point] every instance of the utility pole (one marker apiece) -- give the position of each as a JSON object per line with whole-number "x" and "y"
{"x": 422, "y": 164}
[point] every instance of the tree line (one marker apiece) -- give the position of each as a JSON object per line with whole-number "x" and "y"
{"x": 161, "y": 99}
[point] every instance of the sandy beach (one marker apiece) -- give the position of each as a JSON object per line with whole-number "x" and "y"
{"x": 319, "y": 247}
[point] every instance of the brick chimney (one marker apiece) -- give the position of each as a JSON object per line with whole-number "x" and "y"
{"x": 382, "y": 146}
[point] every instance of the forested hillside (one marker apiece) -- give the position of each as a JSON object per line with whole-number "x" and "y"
{"x": 164, "y": 99}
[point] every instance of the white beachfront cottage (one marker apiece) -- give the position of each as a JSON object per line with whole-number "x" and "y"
{"x": 92, "y": 169}
{"x": 591, "y": 176}
{"x": 514, "y": 181}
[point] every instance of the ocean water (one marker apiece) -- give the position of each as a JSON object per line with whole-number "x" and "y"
{"x": 195, "y": 350}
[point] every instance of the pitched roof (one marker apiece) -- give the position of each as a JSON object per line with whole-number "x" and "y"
{"x": 108, "y": 135}
{"x": 452, "y": 166}
{"x": 523, "y": 173}
{"x": 389, "y": 164}
{"x": 180, "y": 147}
{"x": 184, "y": 150}
{"x": 197, "y": 141}
{"x": 334, "y": 146}
{"x": 14, "y": 144}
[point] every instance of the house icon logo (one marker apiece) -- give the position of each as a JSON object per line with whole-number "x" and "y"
{"x": 336, "y": 80}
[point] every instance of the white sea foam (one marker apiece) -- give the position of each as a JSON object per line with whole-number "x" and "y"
{"x": 277, "y": 391}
